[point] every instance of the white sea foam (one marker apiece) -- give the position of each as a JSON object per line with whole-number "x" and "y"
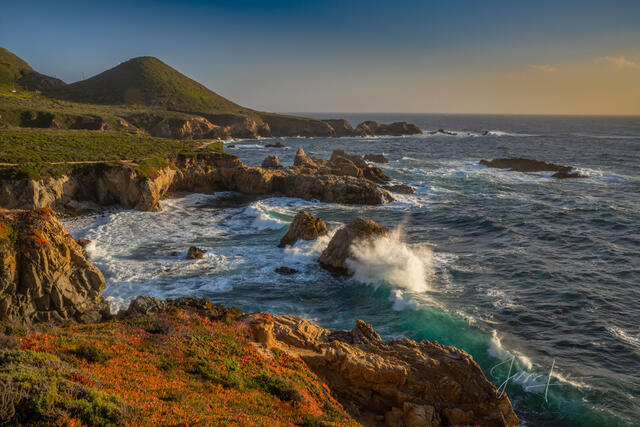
{"x": 389, "y": 259}
{"x": 624, "y": 336}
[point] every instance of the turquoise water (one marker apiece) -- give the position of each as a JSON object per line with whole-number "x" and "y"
{"x": 507, "y": 266}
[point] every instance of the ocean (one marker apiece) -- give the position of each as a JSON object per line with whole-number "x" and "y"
{"x": 537, "y": 278}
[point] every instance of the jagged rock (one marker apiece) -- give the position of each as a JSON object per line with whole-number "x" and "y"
{"x": 341, "y": 163}
{"x": 305, "y": 226}
{"x": 443, "y": 132}
{"x": 195, "y": 253}
{"x": 271, "y": 162}
{"x": 400, "y": 189}
{"x": 277, "y": 144}
{"x": 340, "y": 126}
{"x": 83, "y": 242}
{"x": 294, "y": 126}
{"x": 287, "y": 271}
{"x": 376, "y": 158}
{"x": 373, "y": 128}
{"x": 174, "y": 253}
{"x": 44, "y": 275}
{"x": 520, "y": 164}
{"x": 334, "y": 257}
{"x": 397, "y": 383}
{"x": 144, "y": 304}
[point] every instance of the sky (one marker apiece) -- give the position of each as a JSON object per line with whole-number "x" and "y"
{"x": 448, "y": 56}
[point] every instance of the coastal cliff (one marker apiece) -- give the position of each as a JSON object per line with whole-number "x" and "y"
{"x": 44, "y": 275}
{"x": 142, "y": 186}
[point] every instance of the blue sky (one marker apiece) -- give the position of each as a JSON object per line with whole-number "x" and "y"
{"x": 404, "y": 56}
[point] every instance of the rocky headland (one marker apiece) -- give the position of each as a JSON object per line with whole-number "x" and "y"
{"x": 344, "y": 178}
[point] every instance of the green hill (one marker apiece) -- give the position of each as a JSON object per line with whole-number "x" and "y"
{"x": 148, "y": 81}
{"x": 16, "y": 73}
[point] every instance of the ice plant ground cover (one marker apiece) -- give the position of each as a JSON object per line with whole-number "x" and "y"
{"x": 176, "y": 368}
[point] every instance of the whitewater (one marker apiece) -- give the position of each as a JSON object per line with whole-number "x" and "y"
{"x": 507, "y": 266}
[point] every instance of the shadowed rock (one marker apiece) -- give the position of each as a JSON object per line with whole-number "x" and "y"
{"x": 376, "y": 158}
{"x": 195, "y": 253}
{"x": 305, "y": 226}
{"x": 400, "y": 189}
{"x": 44, "y": 274}
{"x": 334, "y": 257}
{"x": 373, "y": 128}
{"x": 287, "y": 271}
{"x": 340, "y": 126}
{"x": 520, "y": 164}
{"x": 277, "y": 144}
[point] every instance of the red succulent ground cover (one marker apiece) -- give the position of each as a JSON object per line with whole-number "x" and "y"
{"x": 181, "y": 368}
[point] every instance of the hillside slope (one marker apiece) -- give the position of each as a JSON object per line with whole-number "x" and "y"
{"x": 16, "y": 73}
{"x": 148, "y": 81}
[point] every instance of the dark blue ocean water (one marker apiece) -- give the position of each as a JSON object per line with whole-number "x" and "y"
{"x": 505, "y": 265}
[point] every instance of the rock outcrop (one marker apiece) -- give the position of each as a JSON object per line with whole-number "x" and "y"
{"x": 105, "y": 185}
{"x": 400, "y": 188}
{"x": 305, "y": 226}
{"x": 204, "y": 172}
{"x": 373, "y": 128}
{"x": 394, "y": 383}
{"x": 271, "y": 162}
{"x": 187, "y": 128}
{"x": 195, "y": 253}
{"x": 376, "y": 158}
{"x": 442, "y": 132}
{"x": 44, "y": 275}
{"x": 334, "y": 257}
{"x": 340, "y": 164}
{"x": 340, "y": 126}
{"x": 519, "y": 164}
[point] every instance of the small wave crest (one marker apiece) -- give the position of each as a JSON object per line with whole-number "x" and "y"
{"x": 390, "y": 259}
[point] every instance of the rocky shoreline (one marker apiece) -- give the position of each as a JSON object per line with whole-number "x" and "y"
{"x": 344, "y": 178}
{"x": 45, "y": 277}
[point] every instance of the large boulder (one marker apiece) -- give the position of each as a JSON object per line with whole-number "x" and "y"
{"x": 400, "y": 188}
{"x": 520, "y": 164}
{"x": 44, "y": 274}
{"x": 305, "y": 226}
{"x": 395, "y": 383}
{"x": 334, "y": 257}
{"x": 341, "y": 163}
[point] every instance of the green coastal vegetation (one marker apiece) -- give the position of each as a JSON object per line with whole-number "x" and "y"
{"x": 131, "y": 97}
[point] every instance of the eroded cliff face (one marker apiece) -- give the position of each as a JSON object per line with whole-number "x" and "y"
{"x": 394, "y": 383}
{"x": 122, "y": 185}
{"x": 338, "y": 180}
{"x": 44, "y": 275}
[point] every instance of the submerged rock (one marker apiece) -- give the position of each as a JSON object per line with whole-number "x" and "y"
{"x": 44, "y": 274}
{"x": 287, "y": 271}
{"x": 305, "y": 226}
{"x": 376, "y": 158}
{"x": 277, "y": 144}
{"x": 394, "y": 383}
{"x": 334, "y": 257}
{"x": 520, "y": 164}
{"x": 271, "y": 162}
{"x": 195, "y": 253}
